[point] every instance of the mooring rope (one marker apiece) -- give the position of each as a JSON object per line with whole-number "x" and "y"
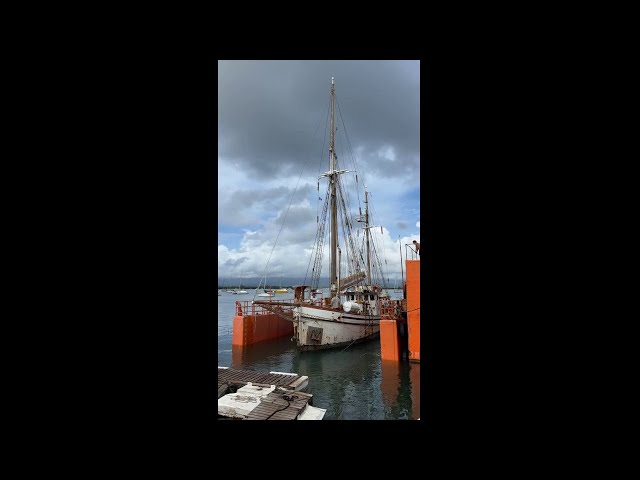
{"x": 348, "y": 345}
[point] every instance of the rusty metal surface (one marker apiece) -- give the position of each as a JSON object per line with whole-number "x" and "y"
{"x": 314, "y": 334}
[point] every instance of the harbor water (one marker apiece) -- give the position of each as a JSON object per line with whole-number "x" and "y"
{"x": 351, "y": 383}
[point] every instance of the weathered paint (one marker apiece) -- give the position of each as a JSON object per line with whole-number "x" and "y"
{"x": 252, "y": 329}
{"x": 413, "y": 308}
{"x": 310, "y": 348}
{"x": 338, "y": 328}
{"x": 389, "y": 341}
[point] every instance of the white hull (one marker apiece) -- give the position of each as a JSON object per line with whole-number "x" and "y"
{"x": 316, "y": 329}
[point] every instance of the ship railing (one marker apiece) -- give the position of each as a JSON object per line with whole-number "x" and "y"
{"x": 391, "y": 310}
{"x": 317, "y": 302}
{"x": 247, "y": 307}
{"x": 414, "y": 254}
{"x": 387, "y": 312}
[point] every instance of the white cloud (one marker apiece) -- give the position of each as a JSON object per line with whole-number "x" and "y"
{"x": 250, "y": 259}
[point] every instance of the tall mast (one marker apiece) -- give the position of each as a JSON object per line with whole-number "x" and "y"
{"x": 401, "y": 269}
{"x": 333, "y": 177}
{"x": 366, "y": 229}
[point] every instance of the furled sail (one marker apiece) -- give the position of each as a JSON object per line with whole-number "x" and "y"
{"x": 346, "y": 282}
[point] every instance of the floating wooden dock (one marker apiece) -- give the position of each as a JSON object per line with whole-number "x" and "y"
{"x": 279, "y": 405}
{"x": 249, "y": 395}
{"x": 228, "y": 377}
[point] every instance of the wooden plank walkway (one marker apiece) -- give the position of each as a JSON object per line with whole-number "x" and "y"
{"x": 279, "y": 405}
{"x": 231, "y": 376}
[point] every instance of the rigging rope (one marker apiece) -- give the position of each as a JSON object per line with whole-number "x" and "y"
{"x": 348, "y": 346}
{"x": 284, "y": 397}
{"x": 384, "y": 253}
{"x": 353, "y": 254}
{"x": 353, "y": 157}
{"x": 287, "y": 211}
{"x": 377, "y": 264}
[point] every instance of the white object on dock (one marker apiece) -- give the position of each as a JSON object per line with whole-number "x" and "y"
{"x": 312, "y": 413}
{"x": 241, "y": 403}
{"x": 300, "y": 383}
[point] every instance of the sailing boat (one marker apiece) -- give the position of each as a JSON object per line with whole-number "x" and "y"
{"x": 352, "y": 314}
{"x": 240, "y": 290}
{"x": 229, "y": 290}
{"x": 281, "y": 290}
{"x": 265, "y": 293}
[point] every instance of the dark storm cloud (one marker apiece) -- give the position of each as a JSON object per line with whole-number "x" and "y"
{"x": 268, "y": 113}
{"x": 235, "y": 262}
{"x": 247, "y": 206}
{"x": 267, "y": 197}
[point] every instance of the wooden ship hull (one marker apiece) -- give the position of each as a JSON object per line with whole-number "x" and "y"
{"x": 317, "y": 328}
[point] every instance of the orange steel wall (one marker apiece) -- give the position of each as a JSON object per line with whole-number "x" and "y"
{"x": 413, "y": 308}
{"x": 249, "y": 329}
{"x": 389, "y": 341}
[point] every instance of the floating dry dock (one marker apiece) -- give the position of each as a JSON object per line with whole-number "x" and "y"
{"x": 248, "y": 395}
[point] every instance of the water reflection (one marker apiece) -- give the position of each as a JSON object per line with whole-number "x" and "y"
{"x": 345, "y": 381}
{"x": 414, "y": 377}
{"x": 275, "y": 355}
{"x": 400, "y": 388}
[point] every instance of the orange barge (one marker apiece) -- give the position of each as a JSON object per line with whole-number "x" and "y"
{"x": 399, "y": 332}
{"x": 254, "y": 324}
